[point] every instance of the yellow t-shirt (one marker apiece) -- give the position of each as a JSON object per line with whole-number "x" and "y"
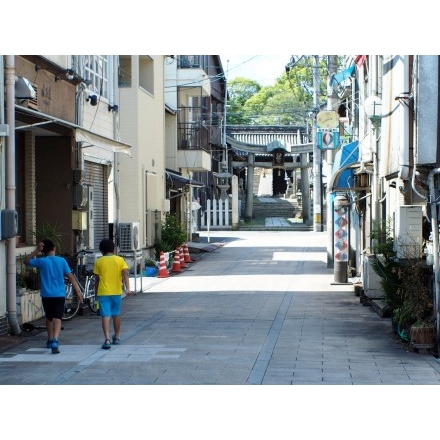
{"x": 109, "y": 268}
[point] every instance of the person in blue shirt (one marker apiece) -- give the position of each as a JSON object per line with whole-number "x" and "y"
{"x": 52, "y": 270}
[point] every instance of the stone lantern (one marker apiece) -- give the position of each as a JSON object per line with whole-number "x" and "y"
{"x": 223, "y": 180}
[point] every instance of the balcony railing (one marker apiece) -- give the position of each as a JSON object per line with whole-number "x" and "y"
{"x": 193, "y": 135}
{"x": 191, "y": 62}
{"x": 193, "y": 128}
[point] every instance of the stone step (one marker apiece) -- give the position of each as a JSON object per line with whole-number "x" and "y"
{"x": 275, "y": 207}
{"x": 381, "y": 308}
{"x": 272, "y": 228}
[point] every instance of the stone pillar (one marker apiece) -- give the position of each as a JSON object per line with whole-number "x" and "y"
{"x": 305, "y": 188}
{"x": 235, "y": 213}
{"x": 250, "y": 187}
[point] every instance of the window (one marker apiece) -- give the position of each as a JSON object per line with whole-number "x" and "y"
{"x": 96, "y": 69}
{"x": 124, "y": 71}
{"x": 146, "y": 73}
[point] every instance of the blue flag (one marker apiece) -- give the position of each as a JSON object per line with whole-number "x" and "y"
{"x": 342, "y": 76}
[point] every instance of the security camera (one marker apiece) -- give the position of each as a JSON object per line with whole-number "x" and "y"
{"x": 93, "y": 100}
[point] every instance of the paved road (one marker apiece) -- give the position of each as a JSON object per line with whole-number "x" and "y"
{"x": 259, "y": 309}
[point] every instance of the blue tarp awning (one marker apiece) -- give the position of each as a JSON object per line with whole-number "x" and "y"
{"x": 346, "y": 155}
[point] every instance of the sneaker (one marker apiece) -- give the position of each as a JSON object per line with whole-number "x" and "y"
{"x": 115, "y": 340}
{"x": 106, "y": 344}
{"x": 55, "y": 349}
{"x": 49, "y": 343}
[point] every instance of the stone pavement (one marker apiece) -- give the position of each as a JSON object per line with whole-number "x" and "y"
{"x": 256, "y": 308}
{"x": 276, "y": 222}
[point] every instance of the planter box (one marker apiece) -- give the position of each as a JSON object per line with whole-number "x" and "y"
{"x": 29, "y": 307}
{"x": 422, "y": 337}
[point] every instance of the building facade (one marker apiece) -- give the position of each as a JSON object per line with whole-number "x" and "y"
{"x": 97, "y": 146}
{"x": 58, "y": 157}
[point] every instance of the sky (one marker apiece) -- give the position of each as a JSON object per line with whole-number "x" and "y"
{"x": 230, "y": 27}
{"x": 264, "y": 69}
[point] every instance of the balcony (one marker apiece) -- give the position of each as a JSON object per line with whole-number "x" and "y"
{"x": 193, "y": 151}
{"x": 192, "y": 77}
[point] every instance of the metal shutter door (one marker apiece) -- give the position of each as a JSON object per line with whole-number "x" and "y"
{"x": 95, "y": 176}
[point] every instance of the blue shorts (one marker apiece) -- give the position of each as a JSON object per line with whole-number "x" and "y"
{"x": 109, "y": 305}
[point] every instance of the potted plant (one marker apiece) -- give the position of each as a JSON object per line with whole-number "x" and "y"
{"x": 21, "y": 282}
{"x": 406, "y": 284}
{"x": 418, "y": 299}
{"x": 386, "y": 265}
{"x": 33, "y": 279}
{"x": 51, "y": 232}
{"x": 415, "y": 313}
{"x": 21, "y": 275}
{"x": 172, "y": 236}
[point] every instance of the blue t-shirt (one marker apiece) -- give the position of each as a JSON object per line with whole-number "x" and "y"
{"x": 52, "y": 270}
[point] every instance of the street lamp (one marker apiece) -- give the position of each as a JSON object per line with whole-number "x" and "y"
{"x": 373, "y": 110}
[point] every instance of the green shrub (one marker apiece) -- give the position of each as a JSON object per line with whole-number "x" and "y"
{"x": 172, "y": 235}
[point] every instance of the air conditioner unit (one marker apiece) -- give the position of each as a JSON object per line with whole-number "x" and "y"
{"x": 129, "y": 236}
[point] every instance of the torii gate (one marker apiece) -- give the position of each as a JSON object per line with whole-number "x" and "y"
{"x": 273, "y": 154}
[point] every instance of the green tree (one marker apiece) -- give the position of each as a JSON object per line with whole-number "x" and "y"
{"x": 239, "y": 91}
{"x": 287, "y": 102}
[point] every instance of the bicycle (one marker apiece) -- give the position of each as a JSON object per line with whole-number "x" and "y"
{"x": 86, "y": 283}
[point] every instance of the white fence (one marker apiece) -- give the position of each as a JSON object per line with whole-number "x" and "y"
{"x": 217, "y": 214}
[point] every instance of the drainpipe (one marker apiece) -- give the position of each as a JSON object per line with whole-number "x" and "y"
{"x": 404, "y": 128}
{"x": 415, "y": 128}
{"x": 11, "y": 274}
{"x": 114, "y": 97}
{"x": 435, "y": 244}
{"x": 2, "y": 121}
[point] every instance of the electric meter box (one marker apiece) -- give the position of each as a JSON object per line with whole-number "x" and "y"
{"x": 408, "y": 227}
{"x": 79, "y": 220}
{"x": 9, "y": 223}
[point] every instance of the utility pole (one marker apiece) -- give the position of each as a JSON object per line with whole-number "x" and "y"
{"x": 317, "y": 160}
{"x": 332, "y": 101}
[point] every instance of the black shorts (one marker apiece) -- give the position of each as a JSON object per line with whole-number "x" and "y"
{"x": 53, "y": 307}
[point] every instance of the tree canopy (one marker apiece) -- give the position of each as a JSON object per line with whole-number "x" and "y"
{"x": 288, "y": 102}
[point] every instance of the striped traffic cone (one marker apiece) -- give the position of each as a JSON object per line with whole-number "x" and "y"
{"x": 186, "y": 255}
{"x": 182, "y": 259}
{"x": 163, "y": 272}
{"x": 176, "y": 262}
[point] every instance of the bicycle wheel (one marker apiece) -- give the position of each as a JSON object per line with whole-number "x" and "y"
{"x": 91, "y": 294}
{"x": 71, "y": 305}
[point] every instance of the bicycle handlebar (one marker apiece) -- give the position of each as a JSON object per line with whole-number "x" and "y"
{"x": 84, "y": 251}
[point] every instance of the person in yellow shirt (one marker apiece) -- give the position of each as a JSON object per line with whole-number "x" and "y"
{"x": 111, "y": 271}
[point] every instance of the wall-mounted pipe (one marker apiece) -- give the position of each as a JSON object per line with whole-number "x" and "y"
{"x": 404, "y": 127}
{"x": 435, "y": 245}
{"x": 11, "y": 272}
{"x": 415, "y": 128}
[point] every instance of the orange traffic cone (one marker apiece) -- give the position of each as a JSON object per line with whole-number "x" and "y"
{"x": 163, "y": 272}
{"x": 176, "y": 262}
{"x": 186, "y": 255}
{"x": 182, "y": 259}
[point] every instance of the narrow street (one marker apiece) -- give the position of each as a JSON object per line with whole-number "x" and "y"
{"x": 258, "y": 308}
